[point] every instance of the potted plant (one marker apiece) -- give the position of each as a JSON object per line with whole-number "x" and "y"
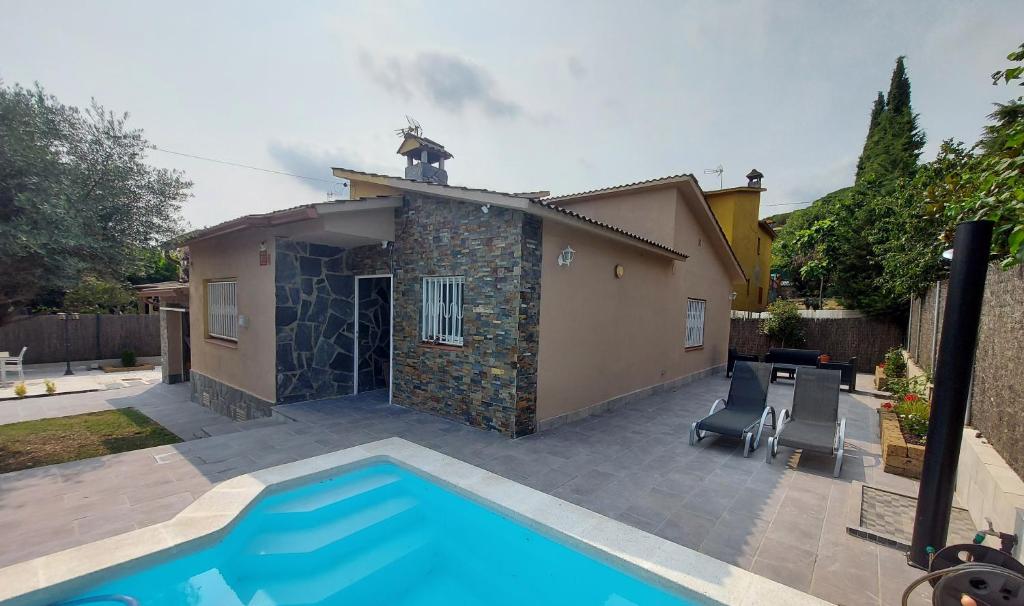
{"x": 783, "y": 324}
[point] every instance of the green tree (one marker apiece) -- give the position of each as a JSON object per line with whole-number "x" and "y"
{"x": 783, "y": 324}
{"x": 76, "y": 196}
{"x": 95, "y": 296}
{"x": 871, "y": 141}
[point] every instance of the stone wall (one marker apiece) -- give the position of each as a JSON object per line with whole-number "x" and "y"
{"x": 315, "y": 304}
{"x": 374, "y": 317}
{"x": 489, "y": 382}
{"x": 842, "y": 338}
{"x": 997, "y": 391}
{"x": 479, "y": 383}
{"x": 227, "y": 400}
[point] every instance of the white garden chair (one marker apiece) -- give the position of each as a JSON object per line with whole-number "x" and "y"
{"x": 15, "y": 363}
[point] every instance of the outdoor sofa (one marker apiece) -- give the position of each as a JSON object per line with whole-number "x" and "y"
{"x": 789, "y": 360}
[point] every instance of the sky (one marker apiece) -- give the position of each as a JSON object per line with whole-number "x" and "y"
{"x": 561, "y": 96}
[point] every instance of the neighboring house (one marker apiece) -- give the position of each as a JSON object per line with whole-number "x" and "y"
{"x": 737, "y": 210}
{"x": 505, "y": 311}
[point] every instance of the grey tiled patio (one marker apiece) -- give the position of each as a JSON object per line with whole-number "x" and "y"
{"x": 786, "y": 521}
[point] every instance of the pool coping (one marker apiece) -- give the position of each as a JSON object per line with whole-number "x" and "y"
{"x": 657, "y": 561}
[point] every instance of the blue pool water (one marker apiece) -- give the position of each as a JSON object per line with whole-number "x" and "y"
{"x": 383, "y": 535}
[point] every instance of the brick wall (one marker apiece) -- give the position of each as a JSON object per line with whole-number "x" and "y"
{"x": 997, "y": 393}
{"x": 866, "y": 338}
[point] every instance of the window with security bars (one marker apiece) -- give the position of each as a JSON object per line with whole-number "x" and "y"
{"x": 695, "y": 322}
{"x": 442, "y": 309}
{"x": 222, "y": 310}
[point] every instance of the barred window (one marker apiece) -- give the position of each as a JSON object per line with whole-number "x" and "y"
{"x": 695, "y": 322}
{"x": 221, "y": 310}
{"x": 442, "y": 309}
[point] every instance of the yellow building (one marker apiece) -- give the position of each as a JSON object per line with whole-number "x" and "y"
{"x": 737, "y": 209}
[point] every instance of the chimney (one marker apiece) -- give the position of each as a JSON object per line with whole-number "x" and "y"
{"x": 754, "y": 178}
{"x": 424, "y": 159}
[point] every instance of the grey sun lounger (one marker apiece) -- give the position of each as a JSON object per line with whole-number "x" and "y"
{"x": 744, "y": 411}
{"x": 814, "y": 422}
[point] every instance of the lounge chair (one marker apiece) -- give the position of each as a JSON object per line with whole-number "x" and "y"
{"x": 814, "y": 422}
{"x": 743, "y": 411}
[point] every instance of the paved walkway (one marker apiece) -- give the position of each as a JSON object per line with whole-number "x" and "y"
{"x": 87, "y": 377}
{"x": 786, "y": 521}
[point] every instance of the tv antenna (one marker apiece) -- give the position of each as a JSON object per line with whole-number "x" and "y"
{"x": 413, "y": 128}
{"x": 718, "y": 170}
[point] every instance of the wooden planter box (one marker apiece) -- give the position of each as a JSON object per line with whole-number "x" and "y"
{"x": 898, "y": 457}
{"x": 880, "y": 381}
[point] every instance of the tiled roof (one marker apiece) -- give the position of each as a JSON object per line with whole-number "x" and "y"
{"x": 622, "y": 186}
{"x": 545, "y": 203}
{"x": 619, "y": 230}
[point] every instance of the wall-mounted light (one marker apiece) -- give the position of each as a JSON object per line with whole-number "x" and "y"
{"x": 384, "y": 243}
{"x": 620, "y": 271}
{"x": 486, "y": 208}
{"x": 566, "y": 256}
{"x": 264, "y": 254}
{"x": 732, "y": 296}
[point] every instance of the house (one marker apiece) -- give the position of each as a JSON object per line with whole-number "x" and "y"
{"x": 507, "y": 311}
{"x": 737, "y": 210}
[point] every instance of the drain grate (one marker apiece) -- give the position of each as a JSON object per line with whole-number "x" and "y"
{"x": 887, "y": 518}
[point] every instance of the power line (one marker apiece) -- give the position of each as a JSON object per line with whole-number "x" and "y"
{"x": 237, "y": 165}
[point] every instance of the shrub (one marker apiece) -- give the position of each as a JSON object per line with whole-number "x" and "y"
{"x": 895, "y": 365}
{"x": 51, "y": 387}
{"x": 783, "y": 324}
{"x": 913, "y": 412}
{"x": 128, "y": 358}
{"x": 20, "y": 390}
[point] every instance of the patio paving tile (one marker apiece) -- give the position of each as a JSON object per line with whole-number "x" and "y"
{"x": 785, "y": 521}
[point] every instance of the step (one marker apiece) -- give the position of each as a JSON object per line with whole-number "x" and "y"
{"x": 343, "y": 490}
{"x": 210, "y": 589}
{"x": 349, "y": 573}
{"x": 306, "y": 540}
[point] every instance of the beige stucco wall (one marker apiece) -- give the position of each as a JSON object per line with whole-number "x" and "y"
{"x": 602, "y": 337}
{"x": 248, "y": 365}
{"x": 648, "y": 213}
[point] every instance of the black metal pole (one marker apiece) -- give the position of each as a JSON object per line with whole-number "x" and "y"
{"x": 67, "y": 346}
{"x": 952, "y": 384}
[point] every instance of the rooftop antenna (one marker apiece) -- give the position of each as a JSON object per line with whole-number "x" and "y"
{"x": 413, "y": 128}
{"x": 718, "y": 170}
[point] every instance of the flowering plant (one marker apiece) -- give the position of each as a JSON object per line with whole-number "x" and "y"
{"x": 887, "y": 406}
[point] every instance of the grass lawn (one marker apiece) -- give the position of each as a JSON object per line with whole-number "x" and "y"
{"x": 48, "y": 441}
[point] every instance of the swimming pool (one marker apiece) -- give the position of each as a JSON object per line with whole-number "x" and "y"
{"x": 389, "y": 522}
{"x": 382, "y": 535}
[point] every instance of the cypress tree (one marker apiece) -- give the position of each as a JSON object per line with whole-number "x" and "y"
{"x": 903, "y": 139}
{"x": 871, "y": 141}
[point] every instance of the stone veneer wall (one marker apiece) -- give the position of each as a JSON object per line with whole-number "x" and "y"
{"x": 227, "y": 400}
{"x": 314, "y": 308}
{"x": 490, "y": 382}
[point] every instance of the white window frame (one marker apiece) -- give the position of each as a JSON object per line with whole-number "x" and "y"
{"x": 441, "y": 314}
{"x": 222, "y": 309}
{"x": 696, "y": 312}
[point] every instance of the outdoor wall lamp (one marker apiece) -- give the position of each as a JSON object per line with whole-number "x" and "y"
{"x": 486, "y": 208}
{"x": 566, "y": 257}
{"x": 732, "y": 296}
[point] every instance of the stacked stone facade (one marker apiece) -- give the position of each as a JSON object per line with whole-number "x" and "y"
{"x": 489, "y": 382}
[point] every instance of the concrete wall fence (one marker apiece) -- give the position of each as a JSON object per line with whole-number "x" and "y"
{"x": 997, "y": 391}
{"x": 859, "y": 336}
{"x": 92, "y": 337}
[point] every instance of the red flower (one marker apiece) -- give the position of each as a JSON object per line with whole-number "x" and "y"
{"x": 911, "y": 397}
{"x": 882, "y": 365}
{"x": 887, "y": 406}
